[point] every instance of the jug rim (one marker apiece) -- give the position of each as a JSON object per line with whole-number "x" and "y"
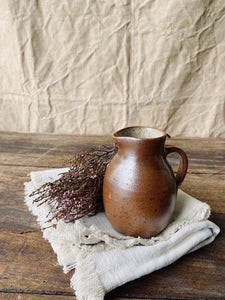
{"x": 163, "y": 133}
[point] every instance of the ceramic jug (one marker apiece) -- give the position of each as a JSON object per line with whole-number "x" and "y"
{"x": 139, "y": 187}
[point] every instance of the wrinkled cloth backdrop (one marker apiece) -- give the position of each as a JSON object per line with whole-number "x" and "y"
{"x": 92, "y": 67}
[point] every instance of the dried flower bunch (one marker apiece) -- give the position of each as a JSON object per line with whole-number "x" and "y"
{"x": 78, "y": 192}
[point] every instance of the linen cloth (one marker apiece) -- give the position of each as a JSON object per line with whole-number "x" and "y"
{"x": 105, "y": 259}
{"x": 66, "y": 66}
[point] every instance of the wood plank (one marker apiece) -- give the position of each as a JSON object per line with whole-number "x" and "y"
{"x": 23, "y": 296}
{"x": 27, "y": 261}
{"x": 19, "y": 296}
{"x": 208, "y": 188}
{"x": 43, "y": 149}
{"x": 29, "y": 264}
{"x": 48, "y": 150}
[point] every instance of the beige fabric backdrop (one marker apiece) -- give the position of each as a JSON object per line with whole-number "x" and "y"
{"x": 92, "y": 67}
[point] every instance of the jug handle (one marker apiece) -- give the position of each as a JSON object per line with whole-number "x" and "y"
{"x": 182, "y": 170}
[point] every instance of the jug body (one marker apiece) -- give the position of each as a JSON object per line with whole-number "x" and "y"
{"x": 139, "y": 188}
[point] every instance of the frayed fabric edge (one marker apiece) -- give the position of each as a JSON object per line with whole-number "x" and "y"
{"x": 85, "y": 280}
{"x": 107, "y": 242}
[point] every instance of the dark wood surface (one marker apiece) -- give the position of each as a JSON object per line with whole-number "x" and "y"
{"x": 28, "y": 266}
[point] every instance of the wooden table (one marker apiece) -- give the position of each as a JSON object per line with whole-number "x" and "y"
{"x": 28, "y": 267}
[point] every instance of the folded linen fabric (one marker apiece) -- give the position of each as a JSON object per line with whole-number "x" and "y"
{"x": 105, "y": 259}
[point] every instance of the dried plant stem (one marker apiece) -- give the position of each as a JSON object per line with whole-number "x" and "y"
{"x": 78, "y": 192}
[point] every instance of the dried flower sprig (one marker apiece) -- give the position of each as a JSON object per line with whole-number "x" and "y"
{"x": 78, "y": 191}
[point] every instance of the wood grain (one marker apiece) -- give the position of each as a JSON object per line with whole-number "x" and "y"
{"x": 24, "y": 296}
{"x": 28, "y": 267}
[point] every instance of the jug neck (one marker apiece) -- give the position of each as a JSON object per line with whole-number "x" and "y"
{"x": 142, "y": 147}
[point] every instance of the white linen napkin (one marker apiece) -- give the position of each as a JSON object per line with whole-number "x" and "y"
{"x": 105, "y": 259}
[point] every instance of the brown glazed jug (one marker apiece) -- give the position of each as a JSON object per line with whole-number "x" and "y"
{"x": 140, "y": 188}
